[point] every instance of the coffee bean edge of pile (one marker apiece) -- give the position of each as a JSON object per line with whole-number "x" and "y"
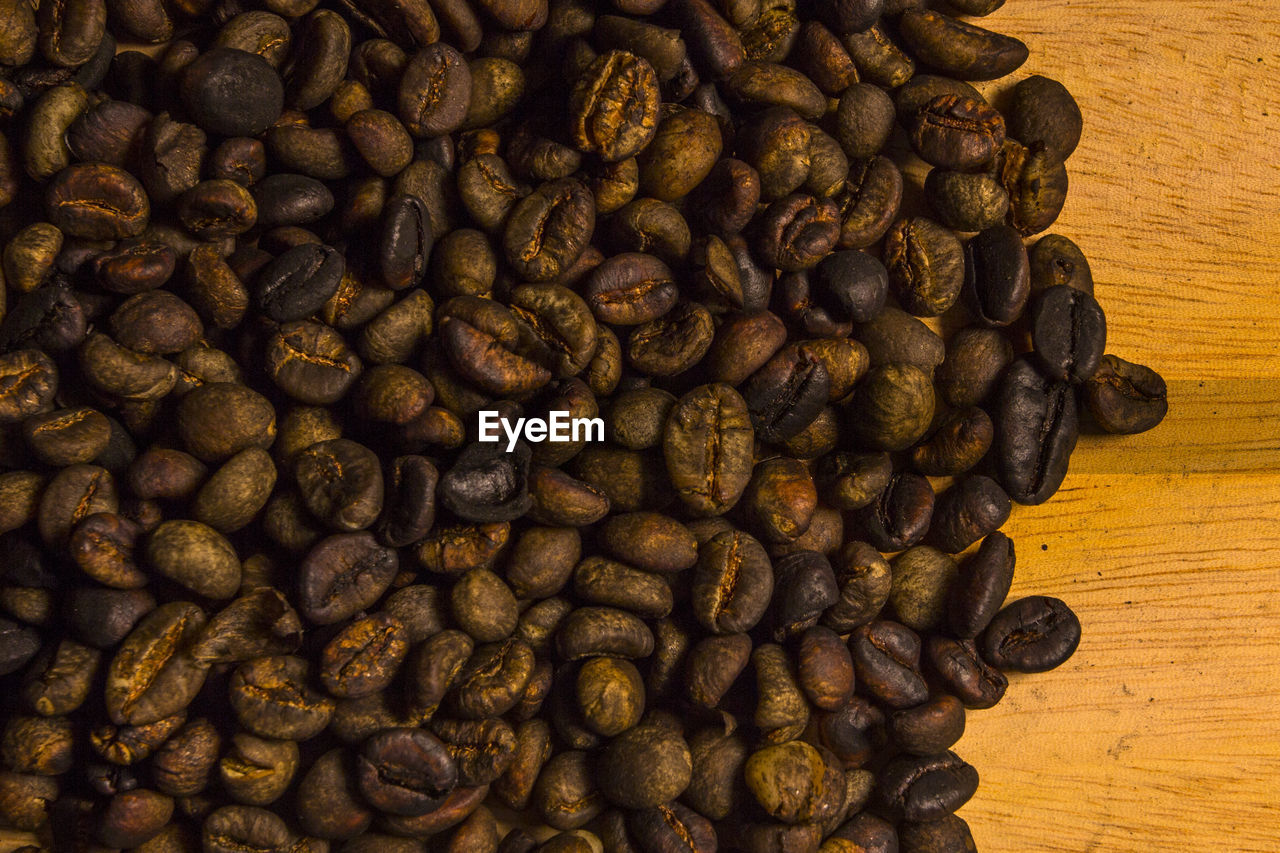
{"x": 525, "y": 425}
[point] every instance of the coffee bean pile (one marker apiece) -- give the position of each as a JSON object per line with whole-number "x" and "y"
{"x": 293, "y": 302}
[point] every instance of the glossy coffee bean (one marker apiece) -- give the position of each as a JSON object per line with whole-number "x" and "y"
{"x": 853, "y": 285}
{"x": 804, "y": 587}
{"x": 97, "y": 201}
{"x": 232, "y": 93}
{"x": 1033, "y": 634}
{"x": 945, "y": 835}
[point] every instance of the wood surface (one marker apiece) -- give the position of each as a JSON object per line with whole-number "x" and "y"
{"x": 1163, "y": 732}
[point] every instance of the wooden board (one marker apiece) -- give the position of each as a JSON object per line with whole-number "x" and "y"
{"x": 1163, "y": 732}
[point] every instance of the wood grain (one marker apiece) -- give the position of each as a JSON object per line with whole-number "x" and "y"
{"x": 1161, "y": 733}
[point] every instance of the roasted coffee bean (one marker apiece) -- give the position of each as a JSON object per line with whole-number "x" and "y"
{"x": 967, "y": 512}
{"x": 926, "y": 266}
{"x": 975, "y": 360}
{"x": 434, "y": 91}
{"x": 792, "y": 781}
{"x": 878, "y": 59}
{"x": 928, "y": 729}
{"x": 1043, "y": 112}
{"x": 864, "y": 580}
{"x": 869, "y": 202}
{"x": 956, "y": 132}
{"x": 196, "y": 556}
{"x": 997, "y": 275}
{"x": 614, "y": 106}
{"x": 797, "y": 231}
{"x": 959, "y": 443}
{"x": 886, "y": 658}
{"x": 964, "y": 673}
{"x": 824, "y": 668}
{"x": 962, "y": 50}
{"x": 153, "y": 675}
{"x": 21, "y": 644}
{"x": 673, "y": 343}
{"x": 922, "y": 577}
{"x": 732, "y": 583}
{"x": 804, "y": 587}
{"x": 1033, "y": 634}
{"x": 494, "y": 679}
{"x": 892, "y": 407}
{"x": 866, "y": 833}
{"x": 50, "y": 319}
{"x": 299, "y": 282}
{"x": 966, "y": 201}
{"x": 343, "y": 575}
{"x": 1056, "y": 260}
{"x": 1036, "y": 431}
{"x": 610, "y": 695}
{"x": 97, "y": 201}
{"x": 651, "y": 541}
{"x": 1124, "y": 397}
{"x": 1036, "y": 182}
{"x": 644, "y": 767}
{"x": 853, "y": 285}
{"x": 405, "y": 771}
{"x": 672, "y": 827}
{"x": 786, "y": 394}
{"x": 232, "y": 93}
{"x": 1068, "y": 333}
{"x": 950, "y": 833}
{"x": 630, "y": 289}
{"x": 926, "y": 788}
{"x": 363, "y": 657}
{"x": 899, "y": 516}
{"x": 591, "y": 631}
{"x": 853, "y": 480}
{"x": 708, "y": 446}
{"x": 980, "y": 589}
{"x": 487, "y": 484}
{"x": 549, "y": 228}
{"x": 341, "y": 483}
